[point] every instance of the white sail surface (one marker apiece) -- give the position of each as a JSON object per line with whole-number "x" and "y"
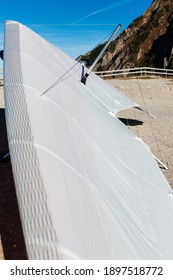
{"x": 87, "y": 187}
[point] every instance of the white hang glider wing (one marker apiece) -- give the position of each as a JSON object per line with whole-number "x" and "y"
{"x": 87, "y": 187}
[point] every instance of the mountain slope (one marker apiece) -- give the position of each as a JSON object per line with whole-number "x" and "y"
{"x": 148, "y": 41}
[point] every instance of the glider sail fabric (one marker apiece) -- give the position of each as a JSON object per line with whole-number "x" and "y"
{"x": 87, "y": 187}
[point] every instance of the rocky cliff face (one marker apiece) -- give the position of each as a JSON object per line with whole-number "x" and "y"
{"x": 148, "y": 41}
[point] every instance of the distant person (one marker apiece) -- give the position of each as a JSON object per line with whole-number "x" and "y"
{"x": 1, "y": 54}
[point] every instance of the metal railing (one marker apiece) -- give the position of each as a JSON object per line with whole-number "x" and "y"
{"x": 139, "y": 71}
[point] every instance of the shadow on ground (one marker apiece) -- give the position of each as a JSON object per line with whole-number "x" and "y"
{"x": 10, "y": 224}
{"x": 130, "y": 122}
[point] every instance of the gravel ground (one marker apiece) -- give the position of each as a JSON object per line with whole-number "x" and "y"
{"x": 153, "y": 95}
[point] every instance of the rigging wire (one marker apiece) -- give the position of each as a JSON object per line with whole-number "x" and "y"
{"x": 150, "y": 122}
{"x": 130, "y": 91}
{"x": 107, "y": 36}
{"x": 58, "y": 80}
{"x": 123, "y": 57}
{"x": 134, "y": 109}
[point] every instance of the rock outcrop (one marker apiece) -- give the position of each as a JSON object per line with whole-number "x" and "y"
{"x": 147, "y": 41}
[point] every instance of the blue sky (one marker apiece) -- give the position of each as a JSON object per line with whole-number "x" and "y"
{"x": 74, "y": 26}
